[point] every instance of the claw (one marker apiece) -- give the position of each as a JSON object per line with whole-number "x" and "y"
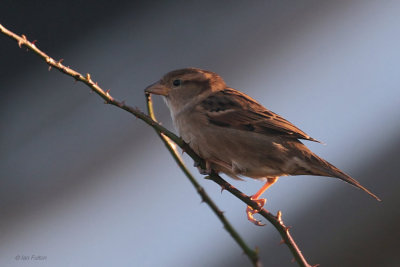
{"x": 260, "y": 202}
{"x": 206, "y": 171}
{"x": 250, "y": 211}
{"x": 203, "y": 171}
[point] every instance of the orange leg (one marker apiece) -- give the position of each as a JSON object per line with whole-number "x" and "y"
{"x": 261, "y": 202}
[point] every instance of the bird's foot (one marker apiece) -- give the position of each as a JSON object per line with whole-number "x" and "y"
{"x": 250, "y": 211}
{"x": 206, "y": 171}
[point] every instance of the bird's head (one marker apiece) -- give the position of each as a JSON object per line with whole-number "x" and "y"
{"x": 185, "y": 85}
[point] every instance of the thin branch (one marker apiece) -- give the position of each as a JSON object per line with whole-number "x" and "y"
{"x": 251, "y": 254}
{"x": 22, "y": 41}
{"x": 276, "y": 221}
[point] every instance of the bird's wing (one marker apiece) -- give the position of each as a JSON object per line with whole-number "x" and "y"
{"x": 233, "y": 109}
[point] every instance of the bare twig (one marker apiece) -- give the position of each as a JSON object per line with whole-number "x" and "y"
{"x": 276, "y": 221}
{"x": 250, "y": 253}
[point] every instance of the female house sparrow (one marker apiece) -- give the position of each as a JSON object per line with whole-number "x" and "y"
{"x": 236, "y": 135}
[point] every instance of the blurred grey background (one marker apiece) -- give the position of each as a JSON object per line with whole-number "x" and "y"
{"x": 86, "y": 184}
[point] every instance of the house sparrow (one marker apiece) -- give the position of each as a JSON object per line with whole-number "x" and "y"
{"x": 236, "y": 135}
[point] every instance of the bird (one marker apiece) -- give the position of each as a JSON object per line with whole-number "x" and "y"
{"x": 236, "y": 135}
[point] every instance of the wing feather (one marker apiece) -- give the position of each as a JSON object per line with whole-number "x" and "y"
{"x": 233, "y": 109}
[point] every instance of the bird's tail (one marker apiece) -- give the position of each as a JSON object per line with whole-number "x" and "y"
{"x": 329, "y": 170}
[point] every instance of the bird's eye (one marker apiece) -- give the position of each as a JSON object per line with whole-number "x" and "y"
{"x": 177, "y": 82}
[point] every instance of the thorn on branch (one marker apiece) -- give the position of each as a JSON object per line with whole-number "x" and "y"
{"x": 50, "y": 62}
{"x": 34, "y": 42}
{"x": 279, "y": 217}
{"x": 183, "y": 151}
{"x": 282, "y": 242}
{"x": 60, "y": 61}
{"x": 287, "y": 228}
{"x": 88, "y": 78}
{"x": 203, "y": 199}
{"x": 22, "y": 40}
{"x": 109, "y": 97}
{"x": 222, "y": 188}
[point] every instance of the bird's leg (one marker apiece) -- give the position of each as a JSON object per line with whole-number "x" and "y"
{"x": 261, "y": 202}
{"x": 206, "y": 171}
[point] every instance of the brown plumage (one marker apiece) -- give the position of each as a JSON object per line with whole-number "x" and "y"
{"x": 235, "y": 134}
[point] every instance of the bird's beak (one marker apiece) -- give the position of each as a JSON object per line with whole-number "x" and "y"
{"x": 157, "y": 88}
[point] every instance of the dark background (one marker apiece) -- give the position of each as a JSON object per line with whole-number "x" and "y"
{"x": 86, "y": 184}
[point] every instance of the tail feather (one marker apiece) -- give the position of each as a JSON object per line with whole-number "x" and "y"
{"x": 331, "y": 171}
